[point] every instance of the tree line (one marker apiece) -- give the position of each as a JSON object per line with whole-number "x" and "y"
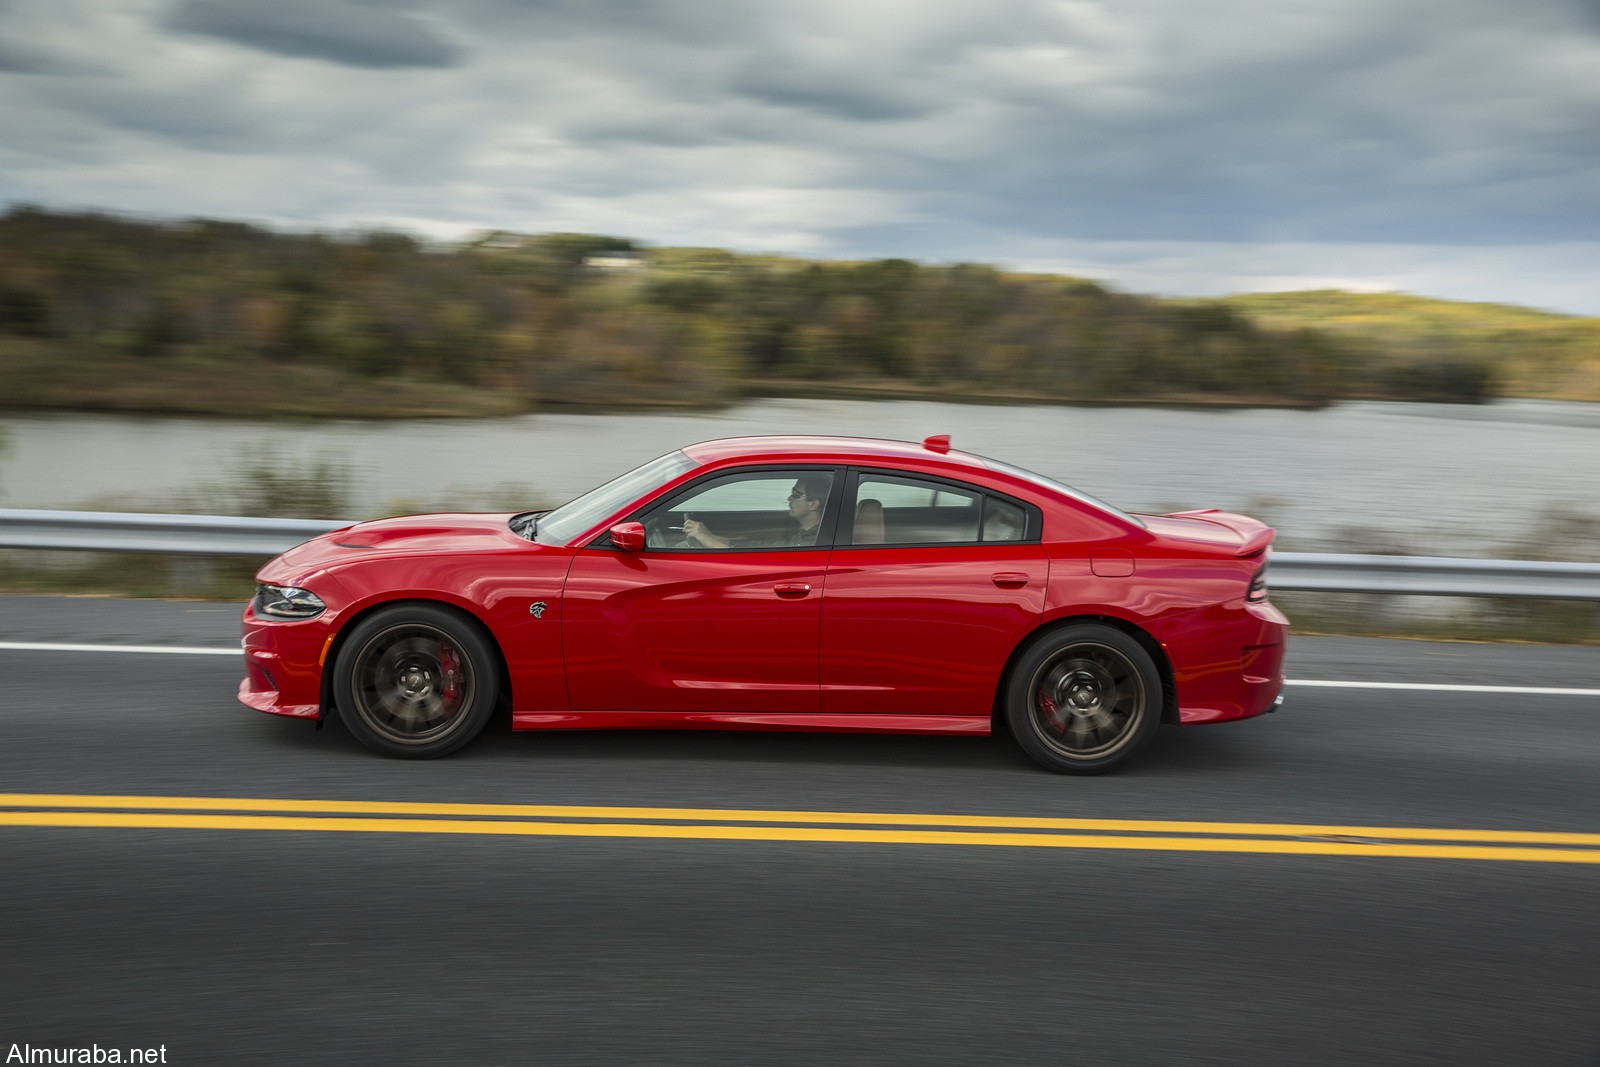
{"x": 206, "y": 315}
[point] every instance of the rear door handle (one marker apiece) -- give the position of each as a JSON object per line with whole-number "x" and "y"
{"x": 792, "y": 590}
{"x": 1011, "y": 579}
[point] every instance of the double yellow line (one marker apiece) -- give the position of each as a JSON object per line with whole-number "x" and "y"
{"x": 262, "y": 813}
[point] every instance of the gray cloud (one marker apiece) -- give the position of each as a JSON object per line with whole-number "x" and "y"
{"x": 659, "y": 22}
{"x": 1025, "y": 131}
{"x": 1385, "y": 129}
{"x": 353, "y": 34}
{"x": 840, "y": 94}
{"x": 15, "y": 60}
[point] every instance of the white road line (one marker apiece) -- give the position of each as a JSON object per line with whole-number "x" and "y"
{"x": 1429, "y": 686}
{"x": 143, "y": 650}
{"x": 175, "y": 650}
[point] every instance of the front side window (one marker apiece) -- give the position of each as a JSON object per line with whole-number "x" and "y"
{"x": 745, "y": 512}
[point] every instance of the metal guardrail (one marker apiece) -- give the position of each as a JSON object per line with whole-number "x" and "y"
{"x": 212, "y": 535}
{"x": 199, "y": 535}
{"x": 1434, "y": 576}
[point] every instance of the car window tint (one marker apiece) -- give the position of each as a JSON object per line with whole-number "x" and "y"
{"x": 753, "y": 494}
{"x": 744, "y": 512}
{"x": 913, "y": 511}
{"x": 918, "y": 494}
{"x": 1002, "y": 521}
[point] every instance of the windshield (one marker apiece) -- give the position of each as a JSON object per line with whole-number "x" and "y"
{"x": 576, "y": 516}
{"x": 1060, "y": 487}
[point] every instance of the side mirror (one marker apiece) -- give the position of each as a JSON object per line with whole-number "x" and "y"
{"x": 628, "y": 536}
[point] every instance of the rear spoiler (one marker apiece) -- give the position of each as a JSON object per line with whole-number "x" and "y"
{"x": 1254, "y": 535}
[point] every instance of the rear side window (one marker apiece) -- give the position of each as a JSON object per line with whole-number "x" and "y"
{"x": 910, "y": 511}
{"x": 897, "y": 509}
{"x": 1003, "y": 520}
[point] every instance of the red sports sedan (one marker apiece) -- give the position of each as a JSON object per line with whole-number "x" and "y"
{"x": 780, "y": 583}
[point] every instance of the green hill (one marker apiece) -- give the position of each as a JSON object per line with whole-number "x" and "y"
{"x": 101, "y": 312}
{"x": 1530, "y": 353}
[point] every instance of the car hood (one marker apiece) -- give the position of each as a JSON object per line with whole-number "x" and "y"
{"x": 408, "y": 534}
{"x": 1239, "y": 535}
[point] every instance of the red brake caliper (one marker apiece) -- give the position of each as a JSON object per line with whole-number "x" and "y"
{"x": 1057, "y": 723}
{"x": 452, "y": 665}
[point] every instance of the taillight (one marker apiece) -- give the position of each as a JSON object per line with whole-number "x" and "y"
{"x": 1258, "y": 583}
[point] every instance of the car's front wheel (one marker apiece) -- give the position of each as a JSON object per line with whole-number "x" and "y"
{"x": 415, "y": 681}
{"x": 1083, "y": 699}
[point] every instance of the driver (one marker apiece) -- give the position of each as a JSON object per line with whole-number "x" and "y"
{"x": 806, "y": 501}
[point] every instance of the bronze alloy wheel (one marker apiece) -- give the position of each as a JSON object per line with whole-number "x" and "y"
{"x": 412, "y": 684}
{"x": 1083, "y": 698}
{"x": 1087, "y": 701}
{"x": 416, "y": 680}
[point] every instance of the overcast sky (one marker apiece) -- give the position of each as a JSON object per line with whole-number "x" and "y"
{"x": 1447, "y": 147}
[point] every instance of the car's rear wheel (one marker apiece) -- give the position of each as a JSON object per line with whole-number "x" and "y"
{"x": 415, "y": 681}
{"x": 1083, "y": 699}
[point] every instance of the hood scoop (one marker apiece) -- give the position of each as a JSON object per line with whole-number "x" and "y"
{"x": 409, "y": 529}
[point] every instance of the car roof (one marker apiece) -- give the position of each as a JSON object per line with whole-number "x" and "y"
{"x": 834, "y": 449}
{"x": 932, "y": 456}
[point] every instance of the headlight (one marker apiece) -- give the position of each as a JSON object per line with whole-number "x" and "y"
{"x": 286, "y": 602}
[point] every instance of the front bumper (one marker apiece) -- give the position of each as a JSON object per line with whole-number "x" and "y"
{"x": 283, "y": 665}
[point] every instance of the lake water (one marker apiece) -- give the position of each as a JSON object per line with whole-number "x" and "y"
{"x": 1421, "y": 478}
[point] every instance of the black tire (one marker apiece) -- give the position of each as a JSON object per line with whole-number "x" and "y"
{"x": 1083, "y": 699}
{"x": 415, "y": 681}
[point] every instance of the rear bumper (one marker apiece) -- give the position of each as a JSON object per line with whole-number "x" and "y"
{"x": 1236, "y": 672}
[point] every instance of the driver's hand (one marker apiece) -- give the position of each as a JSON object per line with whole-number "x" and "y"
{"x": 697, "y": 531}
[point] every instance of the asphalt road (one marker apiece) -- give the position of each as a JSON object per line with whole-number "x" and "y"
{"x": 298, "y": 946}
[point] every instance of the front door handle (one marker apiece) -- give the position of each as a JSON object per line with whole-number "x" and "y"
{"x": 1011, "y": 579}
{"x": 792, "y": 590}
